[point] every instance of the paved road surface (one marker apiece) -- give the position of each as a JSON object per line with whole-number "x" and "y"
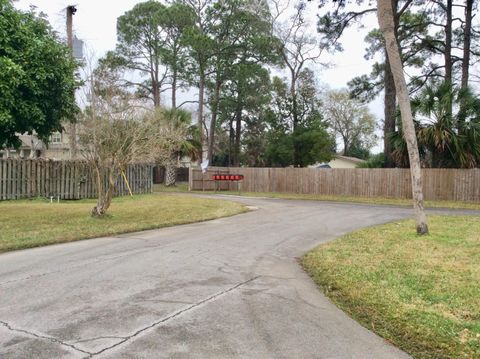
{"x": 229, "y": 288}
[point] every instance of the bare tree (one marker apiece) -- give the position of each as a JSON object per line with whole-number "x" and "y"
{"x": 296, "y": 45}
{"x": 386, "y": 22}
{"x": 117, "y": 130}
{"x": 352, "y": 121}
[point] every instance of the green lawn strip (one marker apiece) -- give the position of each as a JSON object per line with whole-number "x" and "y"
{"x": 366, "y": 200}
{"x": 179, "y": 187}
{"x": 32, "y": 223}
{"x": 420, "y": 293}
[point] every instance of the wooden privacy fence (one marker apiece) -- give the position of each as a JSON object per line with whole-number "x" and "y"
{"x": 439, "y": 184}
{"x": 63, "y": 179}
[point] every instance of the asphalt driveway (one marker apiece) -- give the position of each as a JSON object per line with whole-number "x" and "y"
{"x": 228, "y": 288}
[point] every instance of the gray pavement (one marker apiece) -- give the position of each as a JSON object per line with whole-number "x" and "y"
{"x": 228, "y": 288}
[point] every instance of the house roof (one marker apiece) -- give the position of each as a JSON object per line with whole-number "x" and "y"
{"x": 350, "y": 159}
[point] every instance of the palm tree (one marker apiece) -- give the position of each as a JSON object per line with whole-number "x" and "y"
{"x": 386, "y": 22}
{"x": 451, "y": 142}
{"x": 190, "y": 146}
{"x": 399, "y": 146}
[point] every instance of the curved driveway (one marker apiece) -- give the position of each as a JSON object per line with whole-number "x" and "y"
{"x": 228, "y": 288}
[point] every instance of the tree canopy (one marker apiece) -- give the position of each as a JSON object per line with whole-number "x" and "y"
{"x": 37, "y": 77}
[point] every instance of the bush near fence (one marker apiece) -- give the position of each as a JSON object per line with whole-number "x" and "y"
{"x": 439, "y": 184}
{"x": 64, "y": 179}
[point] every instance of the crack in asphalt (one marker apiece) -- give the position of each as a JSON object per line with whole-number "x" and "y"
{"x": 98, "y": 338}
{"x": 39, "y": 336}
{"x": 136, "y": 333}
{"x": 174, "y": 315}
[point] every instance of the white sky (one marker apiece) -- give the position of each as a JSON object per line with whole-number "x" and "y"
{"x": 95, "y": 23}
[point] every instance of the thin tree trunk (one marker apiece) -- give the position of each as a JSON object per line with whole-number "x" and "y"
{"x": 238, "y": 134}
{"x": 390, "y": 104}
{"x": 293, "y": 95}
{"x": 448, "y": 53}
{"x": 174, "y": 90}
{"x": 174, "y": 77}
{"x": 211, "y": 137}
{"x": 155, "y": 85}
{"x": 201, "y": 98}
{"x": 467, "y": 32}
{"x": 231, "y": 142}
{"x": 105, "y": 194}
{"x": 387, "y": 27}
{"x": 448, "y": 43}
{"x": 390, "y": 101}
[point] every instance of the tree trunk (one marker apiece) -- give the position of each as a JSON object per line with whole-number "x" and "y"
{"x": 105, "y": 194}
{"x": 238, "y": 134}
{"x": 201, "y": 98}
{"x": 467, "y": 32}
{"x": 170, "y": 175}
{"x": 390, "y": 104}
{"x": 448, "y": 53}
{"x": 293, "y": 95}
{"x": 174, "y": 90}
{"x": 448, "y": 43}
{"x": 174, "y": 77}
{"x": 211, "y": 137}
{"x": 387, "y": 27}
{"x": 154, "y": 70}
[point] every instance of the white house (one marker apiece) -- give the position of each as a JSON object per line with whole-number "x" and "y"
{"x": 340, "y": 161}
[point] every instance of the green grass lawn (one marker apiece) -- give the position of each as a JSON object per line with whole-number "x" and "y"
{"x": 31, "y": 223}
{"x": 420, "y": 293}
{"x": 367, "y": 200}
{"x": 179, "y": 187}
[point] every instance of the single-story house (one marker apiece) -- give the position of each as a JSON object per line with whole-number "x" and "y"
{"x": 340, "y": 161}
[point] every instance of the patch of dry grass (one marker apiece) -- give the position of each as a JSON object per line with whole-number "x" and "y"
{"x": 420, "y": 293}
{"x": 32, "y": 223}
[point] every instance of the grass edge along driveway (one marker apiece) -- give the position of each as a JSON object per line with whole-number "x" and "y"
{"x": 33, "y": 223}
{"x": 351, "y": 199}
{"x": 420, "y": 293}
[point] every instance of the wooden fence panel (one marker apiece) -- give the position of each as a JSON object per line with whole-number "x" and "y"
{"x": 439, "y": 183}
{"x": 64, "y": 179}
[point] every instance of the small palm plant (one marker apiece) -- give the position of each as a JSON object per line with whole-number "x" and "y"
{"x": 189, "y": 146}
{"x": 447, "y": 126}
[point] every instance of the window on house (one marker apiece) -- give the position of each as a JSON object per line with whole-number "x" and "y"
{"x": 56, "y": 137}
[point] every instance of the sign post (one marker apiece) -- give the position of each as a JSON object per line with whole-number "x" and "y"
{"x": 204, "y": 167}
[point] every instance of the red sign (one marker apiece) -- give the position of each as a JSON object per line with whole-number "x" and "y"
{"x": 227, "y": 177}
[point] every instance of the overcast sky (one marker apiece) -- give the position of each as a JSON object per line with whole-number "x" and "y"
{"x": 95, "y": 23}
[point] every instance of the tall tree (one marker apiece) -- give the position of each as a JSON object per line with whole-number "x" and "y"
{"x": 243, "y": 42}
{"x": 140, "y": 46}
{"x": 176, "y": 20}
{"x": 308, "y": 141}
{"x": 37, "y": 77}
{"x": 296, "y": 46}
{"x": 351, "y": 121}
{"x": 387, "y": 26}
{"x": 200, "y": 47}
{"x": 246, "y": 94}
